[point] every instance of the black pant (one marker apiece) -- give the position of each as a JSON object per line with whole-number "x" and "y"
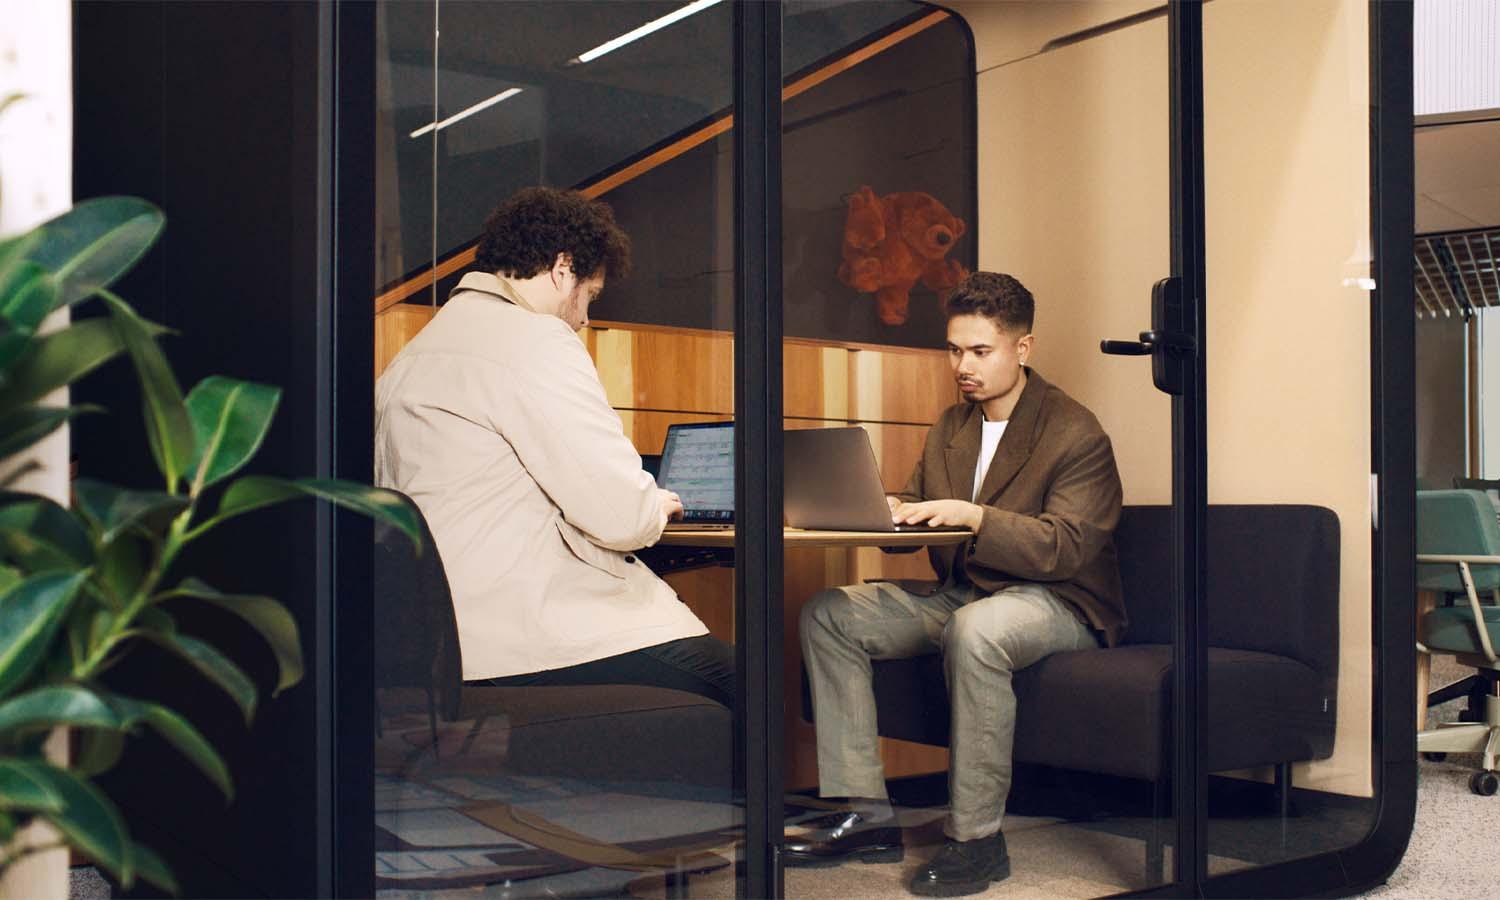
{"x": 699, "y": 665}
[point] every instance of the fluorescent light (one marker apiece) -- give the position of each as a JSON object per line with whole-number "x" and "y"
{"x": 481, "y": 105}
{"x": 654, "y": 25}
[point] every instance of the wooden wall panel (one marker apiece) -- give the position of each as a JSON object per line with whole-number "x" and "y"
{"x": 647, "y": 429}
{"x": 396, "y": 325}
{"x": 674, "y": 370}
{"x": 900, "y": 385}
{"x": 815, "y": 381}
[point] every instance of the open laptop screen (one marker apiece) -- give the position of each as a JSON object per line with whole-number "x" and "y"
{"x": 697, "y": 463}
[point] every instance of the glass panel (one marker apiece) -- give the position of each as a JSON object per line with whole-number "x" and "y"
{"x": 1012, "y": 138}
{"x": 1289, "y": 603}
{"x": 553, "y": 720}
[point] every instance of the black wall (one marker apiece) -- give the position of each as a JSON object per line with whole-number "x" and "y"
{"x": 215, "y": 111}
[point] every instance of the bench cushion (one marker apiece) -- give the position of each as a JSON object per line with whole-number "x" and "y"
{"x": 1108, "y": 710}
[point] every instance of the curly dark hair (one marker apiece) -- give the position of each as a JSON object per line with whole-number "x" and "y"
{"x": 995, "y": 296}
{"x": 524, "y": 235}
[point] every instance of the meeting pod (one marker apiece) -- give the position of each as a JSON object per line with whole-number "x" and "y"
{"x": 1107, "y": 306}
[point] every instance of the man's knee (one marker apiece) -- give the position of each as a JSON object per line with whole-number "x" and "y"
{"x": 824, "y": 613}
{"x": 972, "y": 635}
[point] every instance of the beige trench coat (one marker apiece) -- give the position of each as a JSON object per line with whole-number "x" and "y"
{"x": 494, "y": 421}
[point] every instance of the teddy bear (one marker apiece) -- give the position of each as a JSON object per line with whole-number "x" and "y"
{"x": 892, "y": 242}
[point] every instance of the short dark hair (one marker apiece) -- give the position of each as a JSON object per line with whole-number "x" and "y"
{"x": 524, "y": 235}
{"x": 995, "y": 296}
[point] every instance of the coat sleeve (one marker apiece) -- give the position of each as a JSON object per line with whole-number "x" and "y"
{"x": 553, "y": 411}
{"x": 1079, "y": 515}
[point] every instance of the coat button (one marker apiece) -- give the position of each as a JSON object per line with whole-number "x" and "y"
{"x": 629, "y": 559}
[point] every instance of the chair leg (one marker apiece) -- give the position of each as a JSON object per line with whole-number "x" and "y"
{"x": 1284, "y": 797}
{"x": 1161, "y": 801}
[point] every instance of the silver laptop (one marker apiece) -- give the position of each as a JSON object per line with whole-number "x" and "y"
{"x": 833, "y": 484}
{"x": 697, "y": 464}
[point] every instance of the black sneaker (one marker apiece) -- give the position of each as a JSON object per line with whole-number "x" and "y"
{"x": 848, "y": 836}
{"x": 963, "y": 867}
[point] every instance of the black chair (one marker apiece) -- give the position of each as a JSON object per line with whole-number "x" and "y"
{"x": 613, "y": 732}
{"x": 1272, "y": 628}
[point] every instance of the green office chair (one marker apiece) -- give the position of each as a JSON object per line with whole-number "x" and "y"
{"x": 1458, "y": 550}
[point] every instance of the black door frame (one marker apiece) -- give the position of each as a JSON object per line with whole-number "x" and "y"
{"x": 757, "y": 439}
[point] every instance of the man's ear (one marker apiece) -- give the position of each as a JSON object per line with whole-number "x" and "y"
{"x": 1023, "y": 347}
{"x": 562, "y": 265}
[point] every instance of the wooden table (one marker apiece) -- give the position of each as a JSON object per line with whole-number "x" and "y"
{"x": 801, "y": 537}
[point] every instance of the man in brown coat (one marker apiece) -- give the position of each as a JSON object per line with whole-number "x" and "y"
{"x": 1029, "y": 470}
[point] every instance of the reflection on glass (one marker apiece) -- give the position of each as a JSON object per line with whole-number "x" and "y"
{"x": 1040, "y": 151}
{"x": 1287, "y": 741}
{"x": 554, "y": 720}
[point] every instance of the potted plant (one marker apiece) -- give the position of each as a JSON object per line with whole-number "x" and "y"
{"x": 80, "y": 586}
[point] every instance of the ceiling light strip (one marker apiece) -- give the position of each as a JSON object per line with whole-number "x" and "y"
{"x": 638, "y": 33}
{"x": 464, "y": 114}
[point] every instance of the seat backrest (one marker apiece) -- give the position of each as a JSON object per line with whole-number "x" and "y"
{"x": 416, "y": 633}
{"x": 1459, "y": 522}
{"x": 1273, "y": 579}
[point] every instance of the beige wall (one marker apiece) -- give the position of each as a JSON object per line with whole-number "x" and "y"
{"x": 1074, "y": 193}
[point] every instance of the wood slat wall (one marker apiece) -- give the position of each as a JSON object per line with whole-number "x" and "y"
{"x": 654, "y": 376}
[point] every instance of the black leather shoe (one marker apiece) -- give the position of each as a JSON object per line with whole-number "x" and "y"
{"x": 963, "y": 867}
{"x": 849, "y": 836}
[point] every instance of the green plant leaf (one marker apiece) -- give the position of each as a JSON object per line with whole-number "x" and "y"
{"x": 98, "y": 751}
{"x": 27, "y": 294}
{"x": 151, "y": 868}
{"x": 96, "y": 242}
{"x": 265, "y": 615}
{"x": 60, "y": 358}
{"x": 112, "y": 509}
{"x": 21, "y": 789}
{"x": 10, "y": 576}
{"x": 60, "y": 704}
{"x": 14, "y": 250}
{"x": 230, "y": 419}
{"x": 88, "y": 821}
{"x": 39, "y": 534}
{"x": 208, "y": 660}
{"x": 121, "y": 569}
{"x": 30, "y": 613}
{"x": 25, "y": 426}
{"x": 256, "y": 491}
{"x": 168, "y": 428}
{"x": 180, "y": 733}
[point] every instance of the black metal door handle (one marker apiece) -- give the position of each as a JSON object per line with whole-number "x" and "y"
{"x": 1125, "y": 348}
{"x": 1167, "y": 337}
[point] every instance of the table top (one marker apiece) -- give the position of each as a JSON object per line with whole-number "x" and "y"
{"x": 801, "y": 537}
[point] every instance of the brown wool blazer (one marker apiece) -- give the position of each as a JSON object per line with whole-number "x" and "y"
{"x": 1051, "y": 501}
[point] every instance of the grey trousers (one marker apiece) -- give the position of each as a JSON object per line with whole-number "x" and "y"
{"x": 983, "y": 639}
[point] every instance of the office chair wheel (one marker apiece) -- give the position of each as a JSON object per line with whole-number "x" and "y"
{"x": 1434, "y": 755}
{"x": 1485, "y": 784}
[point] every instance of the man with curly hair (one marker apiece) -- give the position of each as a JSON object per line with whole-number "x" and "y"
{"x": 492, "y": 419}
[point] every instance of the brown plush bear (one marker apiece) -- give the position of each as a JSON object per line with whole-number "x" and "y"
{"x": 892, "y": 242}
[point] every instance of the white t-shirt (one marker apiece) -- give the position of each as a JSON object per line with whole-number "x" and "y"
{"x": 988, "y": 441}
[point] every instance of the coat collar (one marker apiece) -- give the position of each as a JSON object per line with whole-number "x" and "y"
{"x": 962, "y": 453}
{"x": 492, "y": 284}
